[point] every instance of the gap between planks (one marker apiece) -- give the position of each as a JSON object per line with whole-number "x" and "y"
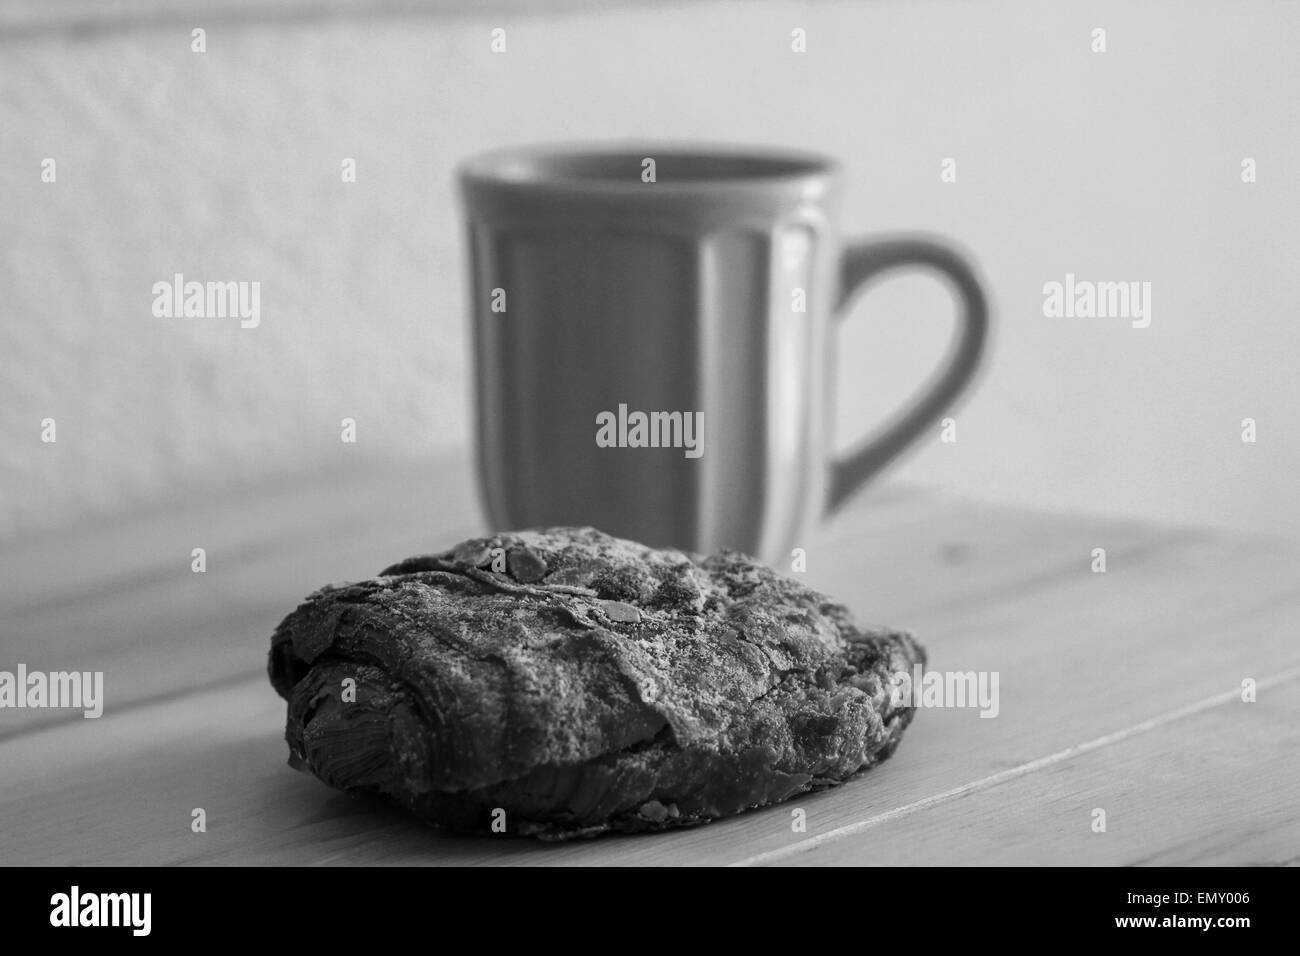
{"x": 1012, "y": 773}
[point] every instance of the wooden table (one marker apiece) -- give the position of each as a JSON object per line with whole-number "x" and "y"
{"x": 1119, "y": 691}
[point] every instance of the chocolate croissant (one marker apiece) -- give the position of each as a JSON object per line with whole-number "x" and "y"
{"x": 562, "y": 682}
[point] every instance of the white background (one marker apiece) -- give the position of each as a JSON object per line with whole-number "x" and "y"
{"x": 1116, "y": 166}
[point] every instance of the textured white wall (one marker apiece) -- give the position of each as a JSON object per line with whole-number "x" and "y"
{"x": 1123, "y": 165}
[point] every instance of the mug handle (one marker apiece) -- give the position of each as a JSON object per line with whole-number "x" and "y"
{"x": 864, "y": 260}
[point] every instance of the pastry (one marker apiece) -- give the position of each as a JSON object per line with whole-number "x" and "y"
{"x": 562, "y": 682}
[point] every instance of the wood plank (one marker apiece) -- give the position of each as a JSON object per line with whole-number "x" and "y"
{"x": 120, "y": 789}
{"x": 1076, "y": 662}
{"x": 113, "y": 556}
{"x": 121, "y": 598}
{"x": 1179, "y": 615}
{"x": 1216, "y": 788}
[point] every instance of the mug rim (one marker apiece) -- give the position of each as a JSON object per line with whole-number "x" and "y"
{"x": 727, "y": 167}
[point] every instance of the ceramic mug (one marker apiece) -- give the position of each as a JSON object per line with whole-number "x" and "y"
{"x": 653, "y": 340}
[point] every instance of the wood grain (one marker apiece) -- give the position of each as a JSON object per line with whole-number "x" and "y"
{"x": 1181, "y": 616}
{"x": 122, "y": 597}
{"x": 1242, "y": 810}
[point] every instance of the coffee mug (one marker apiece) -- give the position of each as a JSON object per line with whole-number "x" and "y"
{"x": 652, "y": 351}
